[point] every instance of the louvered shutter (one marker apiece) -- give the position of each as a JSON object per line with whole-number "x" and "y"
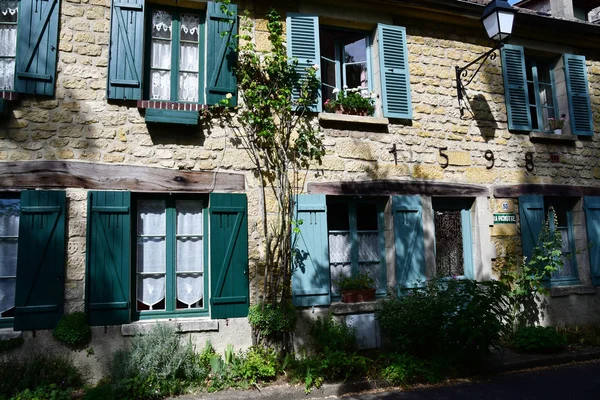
{"x": 311, "y": 278}
{"x": 37, "y": 47}
{"x": 592, "y": 220}
{"x": 125, "y": 54}
{"x": 515, "y": 88}
{"x": 228, "y": 255}
{"x": 303, "y": 46}
{"x": 409, "y": 241}
{"x": 108, "y": 258}
{"x": 40, "y": 260}
{"x": 531, "y": 213}
{"x": 580, "y": 108}
{"x": 395, "y": 75}
{"x": 222, "y": 54}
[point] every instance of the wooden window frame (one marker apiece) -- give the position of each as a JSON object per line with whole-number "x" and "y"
{"x": 16, "y": 50}
{"x": 537, "y": 63}
{"x": 8, "y": 322}
{"x": 170, "y": 277}
{"x": 574, "y": 278}
{"x": 176, "y": 13}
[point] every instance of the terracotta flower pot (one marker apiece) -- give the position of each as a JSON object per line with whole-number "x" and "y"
{"x": 354, "y": 296}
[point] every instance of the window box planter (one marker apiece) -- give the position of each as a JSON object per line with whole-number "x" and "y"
{"x": 358, "y": 296}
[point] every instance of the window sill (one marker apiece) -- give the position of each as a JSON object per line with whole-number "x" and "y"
{"x": 9, "y": 333}
{"x": 171, "y": 105}
{"x": 540, "y": 136}
{"x": 183, "y": 325}
{"x": 344, "y": 120}
{"x": 562, "y": 291}
{"x": 339, "y": 308}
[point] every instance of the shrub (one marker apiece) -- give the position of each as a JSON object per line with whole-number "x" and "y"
{"x": 330, "y": 335}
{"x": 272, "y": 322}
{"x": 38, "y": 374}
{"x": 539, "y": 339}
{"x": 258, "y": 364}
{"x": 73, "y": 330}
{"x": 406, "y": 369}
{"x": 581, "y": 335}
{"x": 459, "y": 318}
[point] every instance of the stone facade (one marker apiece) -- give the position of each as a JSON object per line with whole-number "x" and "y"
{"x": 80, "y": 125}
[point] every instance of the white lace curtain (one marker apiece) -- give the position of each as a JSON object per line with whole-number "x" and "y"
{"x": 190, "y": 252}
{"x": 9, "y": 230}
{"x": 8, "y": 43}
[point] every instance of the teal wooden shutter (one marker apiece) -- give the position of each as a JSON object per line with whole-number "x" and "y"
{"x": 409, "y": 241}
{"x": 108, "y": 258}
{"x": 303, "y": 45}
{"x": 37, "y": 46}
{"x": 125, "y": 53}
{"x": 310, "y": 277}
{"x": 394, "y": 71}
{"x": 515, "y": 88}
{"x": 40, "y": 260}
{"x": 580, "y": 108}
{"x": 592, "y": 220}
{"x": 228, "y": 255}
{"x": 531, "y": 213}
{"x": 221, "y": 53}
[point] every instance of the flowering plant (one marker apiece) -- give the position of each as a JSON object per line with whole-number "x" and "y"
{"x": 557, "y": 123}
{"x": 356, "y": 101}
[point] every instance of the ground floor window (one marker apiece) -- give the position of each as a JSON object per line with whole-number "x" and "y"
{"x": 559, "y": 212}
{"x": 9, "y": 235}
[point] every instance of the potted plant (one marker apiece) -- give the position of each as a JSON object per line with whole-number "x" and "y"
{"x": 356, "y": 288}
{"x": 356, "y": 101}
{"x": 557, "y": 124}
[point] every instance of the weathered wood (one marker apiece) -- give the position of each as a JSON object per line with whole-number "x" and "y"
{"x": 72, "y": 174}
{"x": 392, "y": 187}
{"x": 545, "y": 190}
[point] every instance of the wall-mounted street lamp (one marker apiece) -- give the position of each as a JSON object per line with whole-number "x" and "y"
{"x": 498, "y": 17}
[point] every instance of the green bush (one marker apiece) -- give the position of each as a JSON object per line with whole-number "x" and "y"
{"x": 581, "y": 335}
{"x": 73, "y": 330}
{"x": 272, "y": 322}
{"x": 458, "y": 318}
{"x": 405, "y": 369}
{"x": 330, "y": 335}
{"x": 258, "y": 364}
{"x": 538, "y": 339}
{"x": 38, "y": 374}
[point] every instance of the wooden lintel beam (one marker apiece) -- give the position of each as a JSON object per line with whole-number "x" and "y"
{"x": 392, "y": 187}
{"x": 69, "y": 174}
{"x": 545, "y": 190}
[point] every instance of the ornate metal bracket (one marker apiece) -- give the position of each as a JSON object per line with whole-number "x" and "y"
{"x": 462, "y": 72}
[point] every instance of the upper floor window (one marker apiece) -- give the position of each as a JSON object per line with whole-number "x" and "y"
{"x": 9, "y": 16}
{"x": 542, "y": 103}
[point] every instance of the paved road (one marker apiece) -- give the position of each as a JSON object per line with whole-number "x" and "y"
{"x": 578, "y": 381}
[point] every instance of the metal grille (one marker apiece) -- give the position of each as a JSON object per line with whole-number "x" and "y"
{"x": 449, "y": 257}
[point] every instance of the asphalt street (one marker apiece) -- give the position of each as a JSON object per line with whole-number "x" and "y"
{"x": 576, "y": 381}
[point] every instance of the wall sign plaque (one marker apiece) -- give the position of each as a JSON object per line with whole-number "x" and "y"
{"x": 505, "y": 218}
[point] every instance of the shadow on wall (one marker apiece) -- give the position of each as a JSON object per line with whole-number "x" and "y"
{"x": 483, "y": 116}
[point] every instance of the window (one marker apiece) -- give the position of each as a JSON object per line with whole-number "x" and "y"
{"x": 344, "y": 61}
{"x": 175, "y": 48}
{"x": 9, "y": 16}
{"x": 453, "y": 242}
{"x": 540, "y": 83}
{"x": 562, "y": 209}
{"x": 170, "y": 255}
{"x": 9, "y": 235}
{"x": 356, "y": 243}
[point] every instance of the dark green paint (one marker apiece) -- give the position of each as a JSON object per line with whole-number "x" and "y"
{"x": 516, "y": 92}
{"x": 580, "y": 109}
{"x": 158, "y": 115}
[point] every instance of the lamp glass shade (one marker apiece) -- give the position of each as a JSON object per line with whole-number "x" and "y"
{"x": 498, "y": 18}
{"x": 492, "y": 25}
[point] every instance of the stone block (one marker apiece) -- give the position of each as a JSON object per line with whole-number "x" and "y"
{"x": 355, "y": 149}
{"x": 428, "y": 172}
{"x": 64, "y": 154}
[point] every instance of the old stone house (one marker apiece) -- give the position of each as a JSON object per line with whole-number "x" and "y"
{"x": 118, "y": 199}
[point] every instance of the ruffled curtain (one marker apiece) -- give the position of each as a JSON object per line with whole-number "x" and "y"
{"x": 190, "y": 252}
{"x": 151, "y": 251}
{"x": 188, "y": 58}
{"x": 160, "y": 74}
{"x": 8, "y": 43}
{"x": 9, "y": 230}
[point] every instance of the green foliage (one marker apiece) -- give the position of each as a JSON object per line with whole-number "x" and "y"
{"x": 526, "y": 282}
{"x": 355, "y": 101}
{"x": 272, "y": 322}
{"x": 581, "y": 335}
{"x": 404, "y": 369}
{"x": 538, "y": 339}
{"x": 42, "y": 374}
{"x": 361, "y": 281}
{"x": 10, "y": 344}
{"x": 259, "y": 364}
{"x": 331, "y": 336}
{"x": 73, "y": 330}
{"x": 50, "y": 392}
{"x": 459, "y": 318}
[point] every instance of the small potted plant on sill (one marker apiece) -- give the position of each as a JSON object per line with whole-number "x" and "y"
{"x": 357, "y": 101}
{"x": 557, "y": 124}
{"x": 356, "y": 288}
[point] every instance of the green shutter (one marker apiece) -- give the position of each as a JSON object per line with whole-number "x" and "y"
{"x": 108, "y": 258}
{"x": 409, "y": 241}
{"x": 394, "y": 71}
{"x": 311, "y": 278}
{"x": 515, "y": 88}
{"x": 303, "y": 46}
{"x": 580, "y": 108}
{"x": 222, "y": 54}
{"x": 228, "y": 255}
{"x": 40, "y": 260}
{"x": 37, "y": 47}
{"x": 592, "y": 220}
{"x": 531, "y": 213}
{"x": 125, "y": 53}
